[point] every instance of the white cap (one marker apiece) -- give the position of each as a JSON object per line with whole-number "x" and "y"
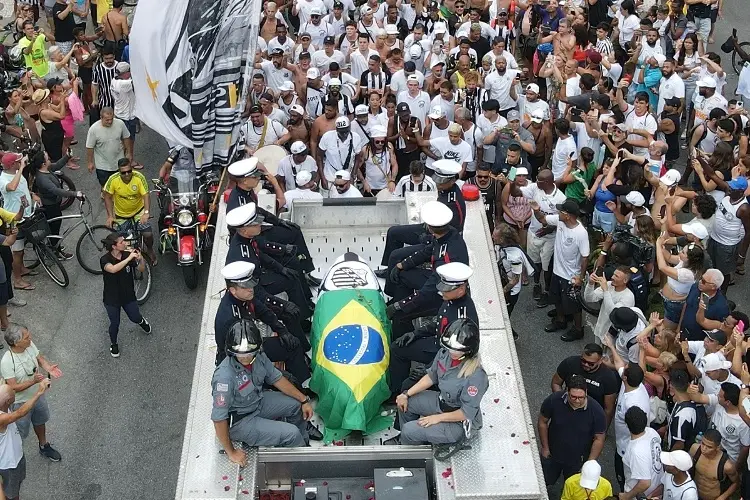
{"x": 378, "y": 131}
{"x": 380, "y": 32}
{"x": 696, "y": 229}
{"x": 296, "y": 108}
{"x": 440, "y": 28}
{"x": 343, "y": 174}
{"x": 590, "y": 474}
{"x": 315, "y": 11}
{"x": 678, "y": 458}
{"x": 635, "y": 198}
{"x": 245, "y": 168}
{"x": 241, "y": 272}
{"x": 286, "y": 85}
{"x": 715, "y": 361}
{"x": 537, "y": 116}
{"x": 313, "y": 73}
{"x": 660, "y": 58}
{"x": 436, "y": 214}
{"x": 706, "y": 82}
{"x": 391, "y": 29}
{"x": 435, "y": 61}
{"x": 361, "y": 109}
{"x": 303, "y": 177}
{"x": 244, "y": 215}
{"x": 446, "y": 167}
{"x": 342, "y": 122}
{"x": 453, "y": 275}
{"x": 436, "y": 113}
{"x": 522, "y": 171}
{"x": 412, "y": 78}
{"x": 334, "y": 82}
{"x": 365, "y": 9}
{"x": 415, "y": 51}
{"x": 298, "y": 147}
{"x": 671, "y": 177}
{"x": 533, "y": 87}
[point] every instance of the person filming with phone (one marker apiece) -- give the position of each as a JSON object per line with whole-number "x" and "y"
{"x": 706, "y": 291}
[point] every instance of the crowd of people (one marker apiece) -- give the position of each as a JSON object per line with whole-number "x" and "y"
{"x": 610, "y": 156}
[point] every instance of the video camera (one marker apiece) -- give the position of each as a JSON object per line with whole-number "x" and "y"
{"x": 641, "y": 250}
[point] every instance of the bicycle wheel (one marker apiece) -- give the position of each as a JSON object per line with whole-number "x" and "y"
{"x": 68, "y": 185}
{"x": 142, "y": 281}
{"x": 90, "y": 248}
{"x": 30, "y": 259}
{"x": 737, "y": 62}
{"x": 52, "y": 265}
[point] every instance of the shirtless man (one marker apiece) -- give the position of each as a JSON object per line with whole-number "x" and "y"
{"x": 324, "y": 123}
{"x": 707, "y": 456}
{"x": 268, "y": 28}
{"x": 298, "y": 125}
{"x": 115, "y": 25}
{"x": 565, "y": 41}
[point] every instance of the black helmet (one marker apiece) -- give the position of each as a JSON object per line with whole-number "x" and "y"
{"x": 243, "y": 338}
{"x": 462, "y": 335}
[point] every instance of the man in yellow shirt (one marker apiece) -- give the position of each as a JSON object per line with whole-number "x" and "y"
{"x": 126, "y": 198}
{"x": 588, "y": 484}
{"x": 33, "y": 45}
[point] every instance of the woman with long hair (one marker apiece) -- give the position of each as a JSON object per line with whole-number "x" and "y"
{"x": 377, "y": 168}
{"x": 20, "y": 122}
{"x": 682, "y": 271}
{"x": 60, "y": 93}
{"x": 688, "y": 66}
{"x": 603, "y": 218}
{"x": 721, "y": 162}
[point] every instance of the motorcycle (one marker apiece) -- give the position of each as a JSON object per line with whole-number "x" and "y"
{"x": 184, "y": 225}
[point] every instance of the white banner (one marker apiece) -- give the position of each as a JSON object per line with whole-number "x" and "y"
{"x": 188, "y": 60}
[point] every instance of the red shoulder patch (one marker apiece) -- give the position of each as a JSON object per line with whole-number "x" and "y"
{"x": 472, "y": 390}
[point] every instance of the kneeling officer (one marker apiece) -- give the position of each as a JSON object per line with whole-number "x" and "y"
{"x": 242, "y": 410}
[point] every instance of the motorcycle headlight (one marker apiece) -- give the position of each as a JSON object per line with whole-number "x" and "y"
{"x": 185, "y": 217}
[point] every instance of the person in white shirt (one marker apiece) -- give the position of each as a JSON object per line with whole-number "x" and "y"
{"x": 123, "y": 94}
{"x": 315, "y": 25}
{"x": 360, "y": 58}
{"x": 530, "y": 102}
{"x": 452, "y": 147}
{"x": 612, "y": 294}
{"x": 337, "y": 151}
{"x": 498, "y": 50}
{"x": 415, "y": 181}
{"x": 570, "y": 260}
{"x": 342, "y": 186}
{"x": 298, "y": 161}
{"x": 565, "y": 148}
{"x": 642, "y": 466}
{"x": 501, "y": 85}
{"x": 282, "y": 41}
{"x": 273, "y": 70}
{"x": 303, "y": 191}
{"x": 490, "y": 121}
{"x": 261, "y": 131}
{"x": 637, "y": 117}
{"x": 418, "y": 100}
{"x": 671, "y": 85}
{"x": 323, "y": 58}
{"x": 714, "y": 341}
{"x": 399, "y": 79}
{"x": 715, "y": 374}
{"x": 706, "y": 99}
{"x": 725, "y": 418}
{"x": 676, "y": 484}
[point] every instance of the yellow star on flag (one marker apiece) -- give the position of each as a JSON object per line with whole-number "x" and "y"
{"x": 152, "y": 84}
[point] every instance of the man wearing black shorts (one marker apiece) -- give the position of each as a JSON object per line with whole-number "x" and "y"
{"x": 569, "y": 263}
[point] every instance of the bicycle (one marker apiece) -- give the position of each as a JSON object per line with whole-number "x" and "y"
{"x": 143, "y": 280}
{"x": 35, "y": 230}
{"x": 738, "y": 62}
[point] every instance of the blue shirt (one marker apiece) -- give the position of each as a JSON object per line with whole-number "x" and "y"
{"x": 12, "y": 199}
{"x": 601, "y": 197}
{"x": 718, "y": 310}
{"x": 554, "y": 23}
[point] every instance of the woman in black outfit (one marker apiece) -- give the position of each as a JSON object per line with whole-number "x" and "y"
{"x": 47, "y": 185}
{"x": 50, "y": 116}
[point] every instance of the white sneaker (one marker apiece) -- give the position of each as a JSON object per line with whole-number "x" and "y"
{"x": 15, "y": 301}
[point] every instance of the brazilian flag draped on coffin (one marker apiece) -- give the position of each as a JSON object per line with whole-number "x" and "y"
{"x": 350, "y": 345}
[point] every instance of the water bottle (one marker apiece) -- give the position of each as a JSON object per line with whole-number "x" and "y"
{"x": 699, "y": 438}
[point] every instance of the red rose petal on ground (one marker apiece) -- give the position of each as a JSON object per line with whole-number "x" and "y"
{"x": 348, "y": 497}
{"x": 370, "y": 484}
{"x": 225, "y": 477}
{"x": 227, "y": 488}
{"x": 526, "y": 442}
{"x": 299, "y": 483}
{"x": 325, "y": 483}
{"x": 240, "y": 478}
{"x": 489, "y": 301}
{"x": 496, "y": 400}
{"x": 245, "y": 492}
{"x": 515, "y": 452}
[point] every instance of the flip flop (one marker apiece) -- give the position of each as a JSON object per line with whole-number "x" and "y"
{"x": 28, "y": 287}
{"x": 30, "y": 273}
{"x": 137, "y": 166}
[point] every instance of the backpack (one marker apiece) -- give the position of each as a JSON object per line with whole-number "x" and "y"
{"x": 701, "y": 421}
{"x": 724, "y": 481}
{"x": 703, "y": 135}
{"x": 638, "y": 284}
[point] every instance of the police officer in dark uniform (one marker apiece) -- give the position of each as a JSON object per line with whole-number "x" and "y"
{"x": 422, "y": 345}
{"x": 446, "y": 174}
{"x": 272, "y": 275}
{"x": 283, "y": 239}
{"x": 244, "y": 300}
{"x": 449, "y": 415}
{"x": 243, "y": 410}
{"x": 412, "y": 279}
{"x": 491, "y": 190}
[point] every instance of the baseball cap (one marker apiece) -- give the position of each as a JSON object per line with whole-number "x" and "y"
{"x": 286, "y": 86}
{"x": 122, "y": 67}
{"x": 391, "y": 29}
{"x": 329, "y": 40}
{"x": 502, "y": 10}
{"x": 305, "y": 34}
{"x": 621, "y": 126}
{"x": 635, "y": 198}
{"x": 313, "y": 73}
{"x": 436, "y": 113}
{"x": 678, "y": 458}
{"x": 537, "y": 116}
{"x": 740, "y": 183}
{"x": 315, "y": 11}
{"x": 415, "y": 51}
{"x": 365, "y": 9}
{"x": 440, "y": 28}
{"x": 436, "y": 62}
{"x": 715, "y": 361}
{"x": 671, "y": 177}
{"x": 522, "y": 171}
{"x": 296, "y": 108}
{"x": 660, "y": 58}
{"x": 342, "y": 122}
{"x": 696, "y": 229}
{"x": 716, "y": 336}
{"x": 361, "y": 109}
{"x": 402, "y": 107}
{"x": 532, "y": 87}
{"x": 569, "y": 206}
{"x": 513, "y": 114}
{"x": 277, "y": 52}
{"x": 335, "y": 82}
{"x": 303, "y": 177}
{"x": 672, "y": 101}
{"x": 410, "y": 67}
{"x": 10, "y": 158}
{"x": 412, "y": 78}
{"x": 343, "y": 174}
{"x": 706, "y": 82}
{"x": 298, "y": 147}
{"x": 52, "y": 82}
{"x": 590, "y": 474}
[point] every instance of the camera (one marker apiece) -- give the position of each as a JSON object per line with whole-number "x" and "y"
{"x": 642, "y": 251}
{"x": 546, "y": 29}
{"x": 31, "y": 150}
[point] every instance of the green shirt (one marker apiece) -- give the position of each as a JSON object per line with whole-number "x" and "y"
{"x": 37, "y": 59}
{"x": 22, "y": 367}
{"x": 577, "y": 189}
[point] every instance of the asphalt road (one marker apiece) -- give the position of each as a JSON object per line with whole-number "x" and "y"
{"x": 119, "y": 422}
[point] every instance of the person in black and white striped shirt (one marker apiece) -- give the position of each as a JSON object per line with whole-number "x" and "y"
{"x": 104, "y": 73}
{"x": 374, "y": 79}
{"x": 415, "y": 181}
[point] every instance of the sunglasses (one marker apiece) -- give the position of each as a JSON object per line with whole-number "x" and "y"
{"x": 379, "y": 142}
{"x": 125, "y": 173}
{"x": 482, "y": 176}
{"x": 587, "y": 363}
